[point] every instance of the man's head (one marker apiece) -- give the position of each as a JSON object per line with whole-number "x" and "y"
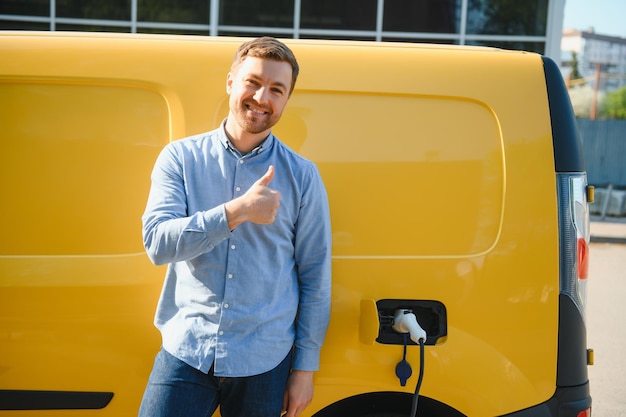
{"x": 268, "y": 48}
{"x": 259, "y": 85}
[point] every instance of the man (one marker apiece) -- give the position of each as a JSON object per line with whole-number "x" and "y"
{"x": 243, "y": 224}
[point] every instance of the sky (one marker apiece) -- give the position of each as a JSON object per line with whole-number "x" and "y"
{"x": 607, "y": 17}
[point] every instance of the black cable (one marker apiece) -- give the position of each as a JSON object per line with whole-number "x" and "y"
{"x": 419, "y": 381}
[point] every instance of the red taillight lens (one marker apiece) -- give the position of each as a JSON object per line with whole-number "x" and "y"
{"x": 586, "y": 413}
{"x": 583, "y": 258}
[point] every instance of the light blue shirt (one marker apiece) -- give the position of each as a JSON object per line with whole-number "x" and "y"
{"x": 239, "y": 300}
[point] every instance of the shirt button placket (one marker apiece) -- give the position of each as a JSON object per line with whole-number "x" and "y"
{"x": 232, "y": 246}
{"x": 229, "y": 276}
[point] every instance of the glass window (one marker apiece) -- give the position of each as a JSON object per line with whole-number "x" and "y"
{"x": 421, "y": 40}
{"x": 91, "y": 28}
{"x": 13, "y": 25}
{"x": 173, "y": 11}
{"x": 162, "y": 31}
{"x": 339, "y": 14}
{"x": 278, "y": 13}
{"x": 25, "y": 7}
{"x": 339, "y": 37}
{"x": 538, "y": 47}
{"x": 435, "y": 16}
{"x": 507, "y": 17}
{"x": 252, "y": 32}
{"x": 94, "y": 9}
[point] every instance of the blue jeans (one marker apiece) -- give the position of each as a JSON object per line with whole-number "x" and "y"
{"x": 177, "y": 389}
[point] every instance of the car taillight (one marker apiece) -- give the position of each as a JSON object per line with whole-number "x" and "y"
{"x": 574, "y": 236}
{"x": 583, "y": 258}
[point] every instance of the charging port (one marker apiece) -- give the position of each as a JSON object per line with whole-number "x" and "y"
{"x": 431, "y": 316}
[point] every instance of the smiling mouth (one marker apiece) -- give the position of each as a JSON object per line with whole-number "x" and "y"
{"x": 256, "y": 110}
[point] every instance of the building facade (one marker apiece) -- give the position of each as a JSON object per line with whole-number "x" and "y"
{"x": 598, "y": 56}
{"x": 532, "y": 25}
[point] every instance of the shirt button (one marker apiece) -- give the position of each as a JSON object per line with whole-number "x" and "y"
{"x": 237, "y": 188}
{"x": 226, "y": 305}
{"x": 230, "y": 276}
{"x": 241, "y": 161}
{"x": 221, "y": 332}
{"x": 233, "y": 246}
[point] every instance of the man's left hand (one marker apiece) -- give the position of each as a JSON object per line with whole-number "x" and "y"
{"x": 299, "y": 393}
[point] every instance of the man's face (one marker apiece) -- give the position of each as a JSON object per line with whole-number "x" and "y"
{"x": 259, "y": 91}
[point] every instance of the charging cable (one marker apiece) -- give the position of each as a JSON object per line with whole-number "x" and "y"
{"x": 405, "y": 322}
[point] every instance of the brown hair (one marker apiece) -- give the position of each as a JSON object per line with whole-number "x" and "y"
{"x": 268, "y": 48}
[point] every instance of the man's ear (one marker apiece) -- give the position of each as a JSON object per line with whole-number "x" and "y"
{"x": 229, "y": 82}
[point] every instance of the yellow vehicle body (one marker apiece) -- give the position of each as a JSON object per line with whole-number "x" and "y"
{"x": 440, "y": 169}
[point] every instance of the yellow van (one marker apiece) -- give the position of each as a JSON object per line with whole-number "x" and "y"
{"x": 457, "y": 192}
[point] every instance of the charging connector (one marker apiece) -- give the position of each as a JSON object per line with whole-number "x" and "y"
{"x": 404, "y": 321}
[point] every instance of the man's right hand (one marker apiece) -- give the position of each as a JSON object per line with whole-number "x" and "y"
{"x": 258, "y": 205}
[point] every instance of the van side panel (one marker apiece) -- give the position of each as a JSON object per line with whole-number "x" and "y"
{"x": 82, "y": 123}
{"x": 77, "y": 154}
{"x": 496, "y": 236}
{"x": 440, "y": 170}
{"x": 420, "y": 157}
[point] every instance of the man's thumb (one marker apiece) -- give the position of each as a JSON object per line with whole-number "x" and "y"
{"x": 267, "y": 177}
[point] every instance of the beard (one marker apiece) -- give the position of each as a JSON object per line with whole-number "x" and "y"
{"x": 252, "y": 122}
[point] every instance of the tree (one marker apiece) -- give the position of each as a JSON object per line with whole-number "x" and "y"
{"x": 581, "y": 97}
{"x": 575, "y": 74}
{"x": 614, "y": 104}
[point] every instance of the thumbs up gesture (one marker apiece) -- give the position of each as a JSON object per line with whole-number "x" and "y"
{"x": 258, "y": 205}
{"x": 266, "y": 178}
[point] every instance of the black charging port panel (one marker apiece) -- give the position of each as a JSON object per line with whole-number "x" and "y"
{"x": 430, "y": 314}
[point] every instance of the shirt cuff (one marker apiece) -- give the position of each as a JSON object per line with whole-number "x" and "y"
{"x": 216, "y": 222}
{"x": 306, "y": 360}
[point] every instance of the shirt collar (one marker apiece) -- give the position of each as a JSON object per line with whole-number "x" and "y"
{"x": 267, "y": 143}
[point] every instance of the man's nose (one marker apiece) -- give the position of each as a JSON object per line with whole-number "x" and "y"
{"x": 261, "y": 95}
